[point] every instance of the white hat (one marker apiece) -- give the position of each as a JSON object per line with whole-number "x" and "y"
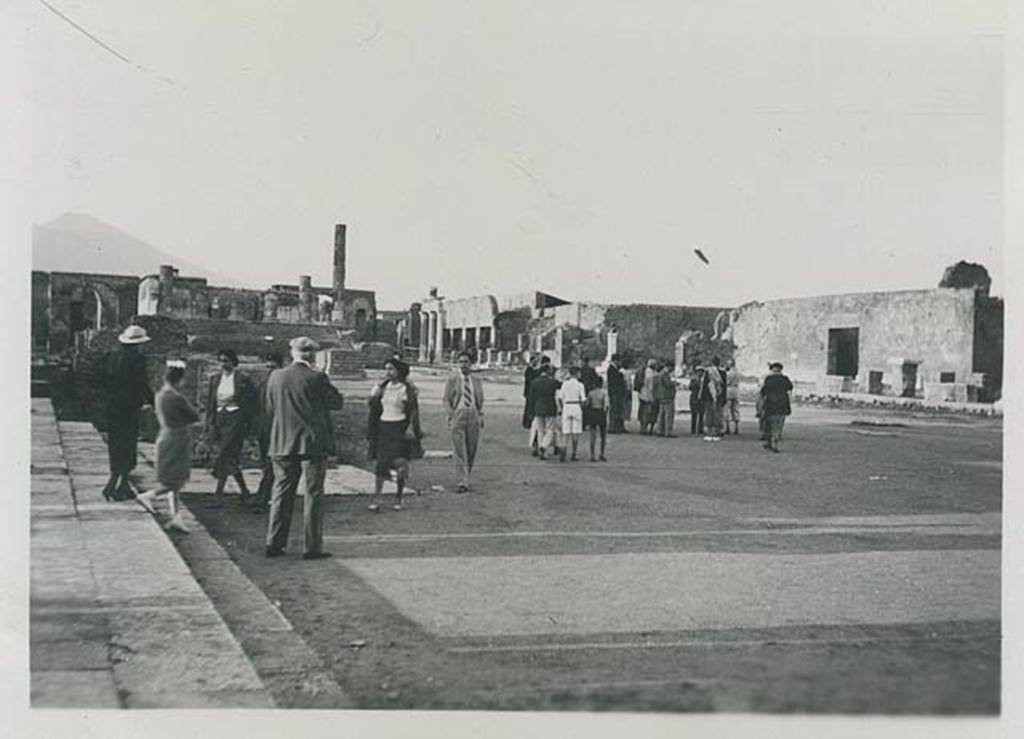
{"x": 133, "y": 335}
{"x": 303, "y": 344}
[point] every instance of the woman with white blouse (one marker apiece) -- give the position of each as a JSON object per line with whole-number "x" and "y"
{"x": 394, "y": 428}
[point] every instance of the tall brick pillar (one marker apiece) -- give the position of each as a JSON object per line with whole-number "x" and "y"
{"x": 163, "y": 303}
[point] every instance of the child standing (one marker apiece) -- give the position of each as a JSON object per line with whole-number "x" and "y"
{"x": 595, "y": 417}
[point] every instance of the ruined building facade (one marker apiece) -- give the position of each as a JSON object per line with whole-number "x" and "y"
{"x": 66, "y": 304}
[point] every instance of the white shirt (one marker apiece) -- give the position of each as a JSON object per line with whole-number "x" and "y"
{"x": 226, "y": 392}
{"x": 572, "y": 391}
{"x": 393, "y": 400}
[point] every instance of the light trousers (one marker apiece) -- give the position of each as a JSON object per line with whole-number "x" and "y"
{"x": 465, "y": 430}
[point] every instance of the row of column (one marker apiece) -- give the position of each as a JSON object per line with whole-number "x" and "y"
{"x": 431, "y": 328}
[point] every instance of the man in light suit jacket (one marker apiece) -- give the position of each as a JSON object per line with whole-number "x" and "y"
{"x": 464, "y": 405}
{"x": 298, "y": 402}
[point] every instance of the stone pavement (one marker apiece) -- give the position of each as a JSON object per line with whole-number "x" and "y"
{"x": 116, "y": 618}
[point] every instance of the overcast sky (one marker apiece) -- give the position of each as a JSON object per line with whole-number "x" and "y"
{"x": 585, "y": 149}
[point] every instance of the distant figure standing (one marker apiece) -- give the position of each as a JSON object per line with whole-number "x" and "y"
{"x": 545, "y": 411}
{"x": 533, "y": 437}
{"x": 776, "y": 406}
{"x": 696, "y": 386}
{"x": 648, "y": 403}
{"x": 531, "y": 373}
{"x": 595, "y": 418}
{"x": 299, "y": 400}
{"x": 231, "y": 406}
{"x": 665, "y": 387}
{"x": 571, "y": 397}
{"x": 638, "y": 388}
{"x": 126, "y": 392}
{"x": 713, "y": 397}
{"x": 274, "y": 361}
{"x": 617, "y": 391}
{"x": 732, "y": 398}
{"x": 173, "y": 445}
{"x": 464, "y": 406}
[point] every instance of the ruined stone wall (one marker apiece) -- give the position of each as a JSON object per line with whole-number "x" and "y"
{"x": 40, "y": 311}
{"x": 933, "y": 327}
{"x": 652, "y": 330}
{"x": 115, "y": 296}
{"x": 587, "y": 316}
{"x": 249, "y": 338}
{"x": 988, "y": 345}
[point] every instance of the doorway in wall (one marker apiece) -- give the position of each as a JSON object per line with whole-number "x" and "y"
{"x": 909, "y": 379}
{"x": 843, "y": 351}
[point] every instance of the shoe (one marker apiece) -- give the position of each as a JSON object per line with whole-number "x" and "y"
{"x": 396, "y": 507}
{"x": 543, "y": 456}
{"x": 603, "y": 458}
{"x": 373, "y": 508}
{"x": 270, "y": 552}
{"x": 176, "y": 524}
{"x": 708, "y": 438}
{"x": 767, "y": 446}
{"x": 124, "y": 493}
{"x": 146, "y": 501}
{"x": 533, "y": 452}
{"x": 316, "y": 555}
{"x": 593, "y": 459}
{"x": 462, "y": 489}
{"x": 775, "y": 449}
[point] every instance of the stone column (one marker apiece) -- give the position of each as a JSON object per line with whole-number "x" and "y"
{"x": 270, "y": 306}
{"x": 439, "y": 335}
{"x": 166, "y": 290}
{"x": 558, "y": 347}
{"x": 424, "y": 320}
{"x": 432, "y": 337}
{"x": 235, "y": 307}
{"x": 305, "y": 298}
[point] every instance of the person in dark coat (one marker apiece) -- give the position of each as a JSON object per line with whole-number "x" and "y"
{"x": 617, "y": 391}
{"x": 545, "y": 410}
{"x": 274, "y": 361}
{"x": 529, "y": 375}
{"x": 231, "y": 409}
{"x": 775, "y": 404}
{"x": 696, "y": 402}
{"x": 299, "y": 400}
{"x": 126, "y": 392}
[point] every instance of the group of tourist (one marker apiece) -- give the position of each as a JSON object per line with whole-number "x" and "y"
{"x": 289, "y": 411}
{"x": 560, "y": 404}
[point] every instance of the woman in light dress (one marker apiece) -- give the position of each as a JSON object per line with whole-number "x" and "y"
{"x": 173, "y": 444}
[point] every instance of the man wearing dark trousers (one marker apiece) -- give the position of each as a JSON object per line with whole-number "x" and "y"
{"x": 616, "y": 397}
{"x": 298, "y": 400}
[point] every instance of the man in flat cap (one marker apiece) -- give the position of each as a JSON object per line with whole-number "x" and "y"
{"x": 298, "y": 402}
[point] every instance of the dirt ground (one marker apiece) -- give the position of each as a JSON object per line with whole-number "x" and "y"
{"x": 844, "y": 485}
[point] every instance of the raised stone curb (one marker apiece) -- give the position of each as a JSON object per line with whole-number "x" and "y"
{"x": 116, "y": 618}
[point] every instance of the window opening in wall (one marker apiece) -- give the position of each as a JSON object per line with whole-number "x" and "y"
{"x": 875, "y": 382}
{"x": 360, "y": 319}
{"x": 947, "y": 377}
{"x": 843, "y": 350}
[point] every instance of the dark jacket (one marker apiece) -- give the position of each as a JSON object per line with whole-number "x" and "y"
{"x": 299, "y": 400}
{"x": 245, "y": 394}
{"x": 125, "y": 382}
{"x": 530, "y": 374}
{"x": 775, "y": 395}
{"x": 616, "y": 382}
{"x": 542, "y": 396}
{"x": 412, "y": 414}
{"x": 589, "y": 378}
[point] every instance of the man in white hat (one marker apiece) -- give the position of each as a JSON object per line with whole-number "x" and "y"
{"x": 126, "y": 391}
{"x": 298, "y": 402}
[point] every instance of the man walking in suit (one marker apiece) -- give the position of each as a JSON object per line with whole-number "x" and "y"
{"x": 298, "y": 401}
{"x": 464, "y": 406}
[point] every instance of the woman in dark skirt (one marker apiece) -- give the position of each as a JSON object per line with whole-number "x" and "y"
{"x": 394, "y": 428}
{"x": 230, "y": 408}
